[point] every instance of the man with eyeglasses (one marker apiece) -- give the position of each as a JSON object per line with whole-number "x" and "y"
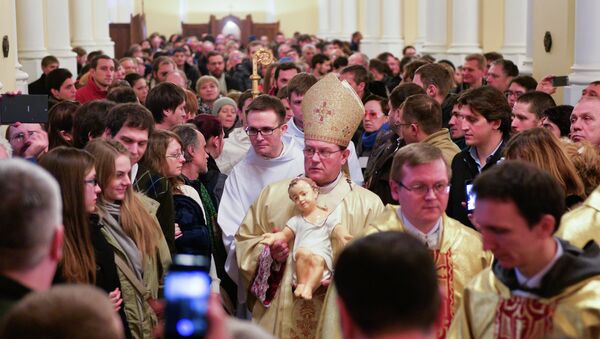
{"x": 28, "y": 141}
{"x": 270, "y": 159}
{"x": 331, "y": 113}
{"x": 419, "y": 181}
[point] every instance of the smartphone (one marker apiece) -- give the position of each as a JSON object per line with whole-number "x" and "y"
{"x": 187, "y": 291}
{"x": 23, "y": 108}
{"x": 560, "y": 81}
{"x": 470, "y": 196}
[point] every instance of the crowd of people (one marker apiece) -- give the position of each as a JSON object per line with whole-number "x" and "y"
{"x": 166, "y": 151}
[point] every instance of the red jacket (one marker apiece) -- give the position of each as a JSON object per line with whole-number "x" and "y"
{"x": 89, "y": 92}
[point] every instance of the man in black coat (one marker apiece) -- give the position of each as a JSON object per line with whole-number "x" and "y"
{"x": 49, "y": 63}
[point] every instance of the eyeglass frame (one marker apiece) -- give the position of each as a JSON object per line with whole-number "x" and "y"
{"x": 176, "y": 156}
{"x": 268, "y": 130}
{"x": 444, "y": 188}
{"x": 92, "y": 182}
{"x": 308, "y": 152}
{"x": 21, "y": 135}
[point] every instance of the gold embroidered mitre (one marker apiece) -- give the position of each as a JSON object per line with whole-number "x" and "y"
{"x": 332, "y": 111}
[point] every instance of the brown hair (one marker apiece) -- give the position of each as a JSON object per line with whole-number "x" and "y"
{"x": 541, "y": 148}
{"x": 136, "y": 222}
{"x": 423, "y": 110}
{"x": 69, "y": 167}
{"x": 586, "y": 160}
{"x": 64, "y": 311}
{"x": 155, "y": 157}
{"x": 437, "y": 75}
{"x": 413, "y": 155}
{"x": 300, "y": 84}
{"x": 403, "y": 91}
{"x": 307, "y": 180}
{"x": 489, "y": 103}
{"x": 477, "y": 57}
{"x": 60, "y": 118}
{"x": 191, "y": 103}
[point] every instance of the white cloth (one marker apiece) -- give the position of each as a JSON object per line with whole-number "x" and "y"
{"x": 244, "y": 184}
{"x": 293, "y": 132}
{"x": 235, "y": 148}
{"x": 431, "y": 239}
{"x": 316, "y": 238}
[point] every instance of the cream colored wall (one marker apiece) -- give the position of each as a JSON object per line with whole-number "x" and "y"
{"x": 557, "y": 17}
{"x": 492, "y": 25}
{"x": 7, "y": 26}
{"x": 410, "y": 19}
{"x": 165, "y": 17}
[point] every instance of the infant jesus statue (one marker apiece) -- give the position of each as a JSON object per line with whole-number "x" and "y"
{"x": 312, "y": 230}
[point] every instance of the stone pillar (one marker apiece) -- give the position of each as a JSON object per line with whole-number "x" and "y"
{"x": 11, "y": 75}
{"x": 372, "y": 28}
{"x": 392, "y": 37}
{"x": 101, "y": 32}
{"x": 57, "y": 29}
{"x": 586, "y": 66}
{"x": 435, "y": 39}
{"x": 515, "y": 31}
{"x": 335, "y": 20}
{"x": 527, "y": 68}
{"x": 465, "y": 30}
{"x": 349, "y": 19}
{"x": 82, "y": 33}
{"x": 30, "y": 36}
{"x": 422, "y": 18}
{"x": 324, "y": 19}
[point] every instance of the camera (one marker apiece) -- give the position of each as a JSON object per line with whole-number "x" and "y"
{"x": 470, "y": 196}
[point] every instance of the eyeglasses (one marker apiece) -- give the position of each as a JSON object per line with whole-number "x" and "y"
{"x": 373, "y": 114}
{"x": 251, "y": 131}
{"x": 325, "y": 154}
{"x": 92, "y": 182}
{"x": 513, "y": 93}
{"x": 422, "y": 190}
{"x": 175, "y": 156}
{"x": 21, "y": 136}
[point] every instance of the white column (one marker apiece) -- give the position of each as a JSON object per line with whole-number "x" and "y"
{"x": 11, "y": 75}
{"x": 82, "y": 32}
{"x": 270, "y": 11}
{"x": 30, "y": 35}
{"x": 350, "y": 18}
{"x": 324, "y": 19}
{"x": 436, "y": 40}
{"x": 527, "y": 68}
{"x": 586, "y": 67}
{"x": 120, "y": 11}
{"x": 372, "y": 28}
{"x": 422, "y": 18}
{"x": 101, "y": 32}
{"x": 335, "y": 20}
{"x": 515, "y": 31}
{"x": 392, "y": 37}
{"x": 57, "y": 33}
{"x": 465, "y": 30}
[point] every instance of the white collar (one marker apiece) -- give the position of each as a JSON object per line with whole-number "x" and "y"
{"x": 329, "y": 187}
{"x": 431, "y": 239}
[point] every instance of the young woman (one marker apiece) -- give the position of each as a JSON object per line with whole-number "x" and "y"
{"x": 141, "y": 252}
{"x": 165, "y": 155}
{"x": 139, "y": 85}
{"x": 225, "y": 109}
{"x": 375, "y": 121}
{"x": 87, "y": 257}
{"x": 60, "y": 124}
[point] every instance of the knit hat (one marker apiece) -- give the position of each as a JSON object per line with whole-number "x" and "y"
{"x": 332, "y": 111}
{"x": 223, "y": 101}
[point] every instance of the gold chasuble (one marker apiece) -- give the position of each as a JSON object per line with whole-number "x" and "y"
{"x": 280, "y": 313}
{"x": 566, "y": 305}
{"x": 459, "y": 258}
{"x": 582, "y": 224}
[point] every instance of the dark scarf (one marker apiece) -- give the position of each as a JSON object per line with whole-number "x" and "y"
{"x": 368, "y": 139}
{"x": 575, "y": 265}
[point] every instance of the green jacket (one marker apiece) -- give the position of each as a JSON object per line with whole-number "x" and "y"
{"x": 140, "y": 316}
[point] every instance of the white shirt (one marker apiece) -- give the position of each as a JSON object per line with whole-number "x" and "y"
{"x": 235, "y": 148}
{"x": 431, "y": 239}
{"x": 293, "y": 131}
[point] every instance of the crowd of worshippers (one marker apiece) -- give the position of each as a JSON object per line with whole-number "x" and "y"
{"x": 354, "y": 197}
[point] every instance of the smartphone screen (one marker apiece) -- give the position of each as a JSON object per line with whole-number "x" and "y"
{"x": 560, "y": 81}
{"x": 470, "y": 197}
{"x": 23, "y": 108}
{"x": 187, "y": 292}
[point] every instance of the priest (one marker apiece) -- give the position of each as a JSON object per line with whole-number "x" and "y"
{"x": 582, "y": 224}
{"x": 419, "y": 180}
{"x": 539, "y": 286}
{"x": 332, "y": 113}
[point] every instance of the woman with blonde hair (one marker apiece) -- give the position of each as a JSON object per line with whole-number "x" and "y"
{"x": 207, "y": 88}
{"x": 586, "y": 159}
{"x": 141, "y": 252}
{"x": 541, "y": 148}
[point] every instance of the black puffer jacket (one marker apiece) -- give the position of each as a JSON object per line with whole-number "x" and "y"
{"x": 196, "y": 236}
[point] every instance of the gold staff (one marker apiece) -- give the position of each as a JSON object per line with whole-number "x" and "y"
{"x": 264, "y": 57}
